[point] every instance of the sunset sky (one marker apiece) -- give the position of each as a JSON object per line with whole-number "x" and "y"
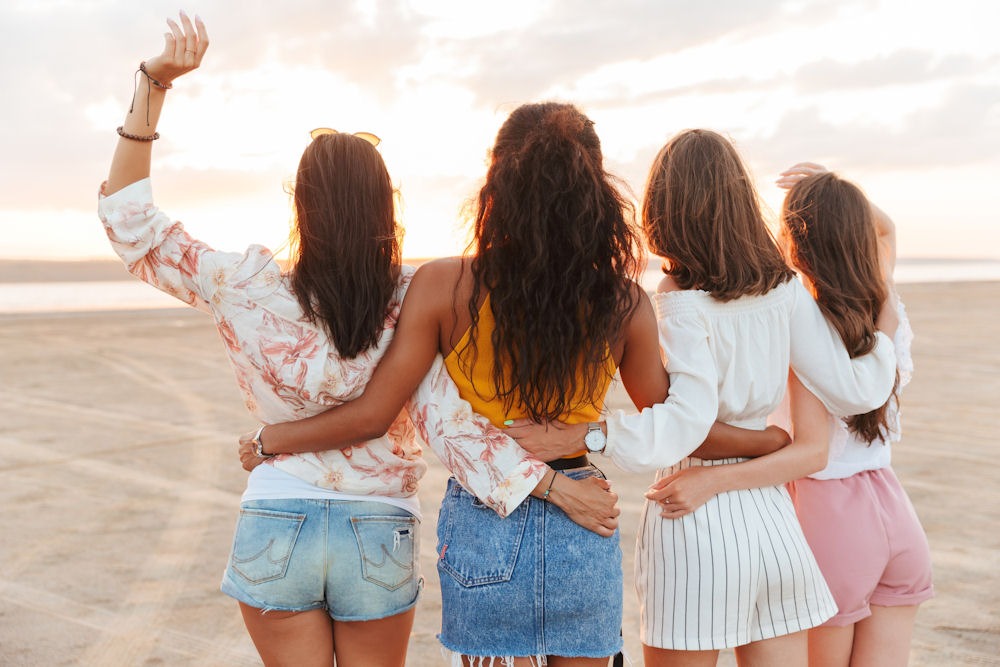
{"x": 902, "y": 97}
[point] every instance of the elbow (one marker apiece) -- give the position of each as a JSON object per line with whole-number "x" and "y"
{"x": 816, "y": 459}
{"x": 374, "y": 426}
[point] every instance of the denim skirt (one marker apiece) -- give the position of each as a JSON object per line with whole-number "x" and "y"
{"x": 529, "y": 585}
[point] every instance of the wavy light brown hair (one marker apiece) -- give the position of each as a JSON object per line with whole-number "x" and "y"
{"x": 702, "y": 214}
{"x": 346, "y": 241}
{"x": 829, "y": 230}
{"x": 557, "y": 251}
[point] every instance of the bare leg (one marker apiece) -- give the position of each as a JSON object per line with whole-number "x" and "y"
{"x": 883, "y": 638}
{"x": 378, "y": 643}
{"x": 787, "y": 651}
{"x": 560, "y": 661}
{"x": 665, "y": 657}
{"x": 831, "y": 646}
{"x": 290, "y": 638}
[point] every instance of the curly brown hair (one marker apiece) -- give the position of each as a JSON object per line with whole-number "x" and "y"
{"x": 830, "y": 233}
{"x": 702, "y": 214}
{"x": 557, "y": 252}
{"x": 346, "y": 240}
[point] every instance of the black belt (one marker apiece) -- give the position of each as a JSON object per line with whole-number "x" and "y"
{"x": 580, "y": 461}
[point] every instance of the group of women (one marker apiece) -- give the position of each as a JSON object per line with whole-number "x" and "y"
{"x": 501, "y": 360}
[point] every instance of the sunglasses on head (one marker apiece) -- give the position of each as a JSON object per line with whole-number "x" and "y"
{"x": 367, "y": 136}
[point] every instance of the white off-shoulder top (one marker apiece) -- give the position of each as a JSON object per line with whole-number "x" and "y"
{"x": 729, "y": 361}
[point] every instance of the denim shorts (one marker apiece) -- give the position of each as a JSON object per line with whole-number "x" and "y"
{"x": 356, "y": 559}
{"x": 532, "y": 584}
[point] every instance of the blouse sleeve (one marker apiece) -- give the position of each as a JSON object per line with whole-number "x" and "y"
{"x": 484, "y": 460}
{"x": 158, "y": 250}
{"x": 662, "y": 435}
{"x": 846, "y": 386}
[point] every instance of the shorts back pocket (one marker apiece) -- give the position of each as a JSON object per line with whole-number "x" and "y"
{"x": 263, "y": 543}
{"x": 388, "y": 549}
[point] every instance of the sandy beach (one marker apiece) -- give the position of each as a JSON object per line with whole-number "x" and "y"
{"x": 120, "y": 484}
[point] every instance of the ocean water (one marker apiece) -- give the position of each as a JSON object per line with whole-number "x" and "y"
{"x": 86, "y": 296}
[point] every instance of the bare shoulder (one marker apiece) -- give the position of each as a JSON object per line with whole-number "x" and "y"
{"x": 437, "y": 281}
{"x": 667, "y": 285}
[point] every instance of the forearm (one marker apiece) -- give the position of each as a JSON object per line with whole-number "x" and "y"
{"x": 338, "y": 428}
{"x": 795, "y": 461}
{"x": 132, "y": 158}
{"x": 725, "y": 441}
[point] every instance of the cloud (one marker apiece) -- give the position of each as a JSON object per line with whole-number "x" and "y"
{"x": 907, "y": 66}
{"x": 574, "y": 39}
{"x": 964, "y": 128}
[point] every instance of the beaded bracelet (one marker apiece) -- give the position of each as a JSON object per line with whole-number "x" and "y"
{"x": 137, "y": 137}
{"x": 161, "y": 86}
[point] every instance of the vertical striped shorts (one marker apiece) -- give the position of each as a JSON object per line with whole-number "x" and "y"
{"x": 734, "y": 571}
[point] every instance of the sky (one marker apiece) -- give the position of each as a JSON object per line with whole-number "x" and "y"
{"x": 902, "y": 97}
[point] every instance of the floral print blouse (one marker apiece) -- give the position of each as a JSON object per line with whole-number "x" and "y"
{"x": 288, "y": 369}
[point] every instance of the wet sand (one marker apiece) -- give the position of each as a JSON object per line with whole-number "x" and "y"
{"x": 119, "y": 484}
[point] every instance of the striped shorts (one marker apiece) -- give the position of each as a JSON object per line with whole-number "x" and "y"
{"x": 736, "y": 570}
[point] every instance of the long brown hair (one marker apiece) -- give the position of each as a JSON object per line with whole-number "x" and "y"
{"x": 556, "y": 250}
{"x": 701, "y": 212}
{"x": 345, "y": 239}
{"x": 830, "y": 232}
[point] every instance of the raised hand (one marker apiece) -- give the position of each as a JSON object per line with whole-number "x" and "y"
{"x": 797, "y": 172}
{"x": 184, "y": 47}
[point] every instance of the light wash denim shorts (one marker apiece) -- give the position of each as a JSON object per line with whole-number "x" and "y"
{"x": 532, "y": 584}
{"x": 359, "y": 560}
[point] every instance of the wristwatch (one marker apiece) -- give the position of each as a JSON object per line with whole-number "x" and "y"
{"x": 258, "y": 446}
{"x": 595, "y": 440}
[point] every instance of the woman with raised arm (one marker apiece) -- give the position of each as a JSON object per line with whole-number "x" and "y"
{"x": 736, "y": 572}
{"x": 856, "y": 516}
{"x": 534, "y": 324}
{"x": 325, "y": 557}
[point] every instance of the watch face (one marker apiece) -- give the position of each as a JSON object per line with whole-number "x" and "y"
{"x": 594, "y": 440}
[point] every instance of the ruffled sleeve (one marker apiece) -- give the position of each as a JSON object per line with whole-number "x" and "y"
{"x": 662, "y": 435}
{"x": 485, "y": 461}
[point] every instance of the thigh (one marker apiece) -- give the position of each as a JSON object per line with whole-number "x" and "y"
{"x": 290, "y": 638}
{"x": 378, "y": 643}
{"x": 788, "y": 651}
{"x": 664, "y": 657}
{"x": 883, "y": 639}
{"x": 830, "y": 646}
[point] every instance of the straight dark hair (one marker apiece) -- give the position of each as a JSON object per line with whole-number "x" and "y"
{"x": 346, "y": 245}
{"x": 556, "y": 250}
{"x": 702, "y": 214}
{"x": 830, "y": 232}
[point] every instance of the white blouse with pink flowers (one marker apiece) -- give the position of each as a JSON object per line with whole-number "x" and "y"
{"x": 287, "y": 368}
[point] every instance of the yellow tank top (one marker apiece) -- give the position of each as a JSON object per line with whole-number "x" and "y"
{"x": 474, "y": 376}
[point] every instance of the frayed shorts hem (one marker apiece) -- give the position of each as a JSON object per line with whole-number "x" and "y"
{"x": 240, "y": 596}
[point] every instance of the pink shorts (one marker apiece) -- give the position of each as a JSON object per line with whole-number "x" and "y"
{"x": 867, "y": 540}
